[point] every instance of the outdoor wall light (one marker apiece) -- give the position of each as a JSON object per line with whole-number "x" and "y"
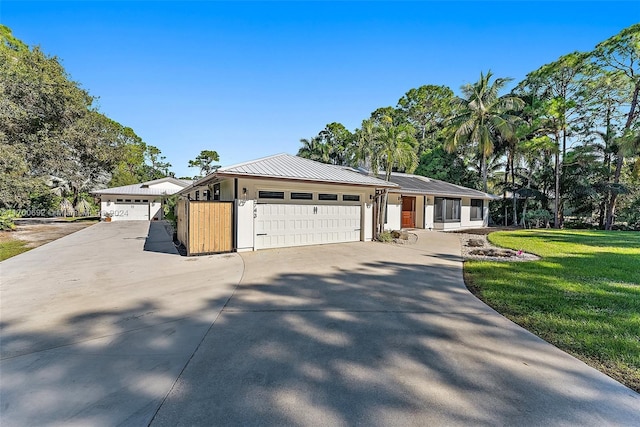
{"x": 244, "y": 190}
{"x": 370, "y": 196}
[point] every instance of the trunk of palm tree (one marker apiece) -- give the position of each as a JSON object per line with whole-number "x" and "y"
{"x": 483, "y": 170}
{"x": 504, "y": 194}
{"x": 381, "y": 210}
{"x": 604, "y": 202}
{"x": 513, "y": 186}
{"x": 556, "y": 214}
{"x": 562, "y": 175}
{"x": 611, "y": 209}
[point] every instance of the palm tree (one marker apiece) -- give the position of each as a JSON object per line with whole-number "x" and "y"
{"x": 482, "y": 117}
{"x": 314, "y": 149}
{"x": 385, "y": 146}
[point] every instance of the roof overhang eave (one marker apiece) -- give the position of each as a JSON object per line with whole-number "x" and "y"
{"x": 444, "y": 194}
{"x": 307, "y": 180}
{"x": 199, "y": 183}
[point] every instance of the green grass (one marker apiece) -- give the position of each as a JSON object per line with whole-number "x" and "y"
{"x": 11, "y": 248}
{"x": 583, "y": 296}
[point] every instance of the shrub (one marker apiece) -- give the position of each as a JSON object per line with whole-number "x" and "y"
{"x": 540, "y": 217}
{"x": 42, "y": 203}
{"x": 6, "y": 221}
{"x": 385, "y": 237}
{"x": 169, "y": 210}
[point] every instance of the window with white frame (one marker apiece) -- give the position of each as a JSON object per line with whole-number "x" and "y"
{"x": 477, "y": 206}
{"x": 446, "y": 210}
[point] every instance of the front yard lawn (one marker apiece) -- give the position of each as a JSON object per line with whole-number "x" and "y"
{"x": 583, "y": 296}
{"x": 9, "y": 248}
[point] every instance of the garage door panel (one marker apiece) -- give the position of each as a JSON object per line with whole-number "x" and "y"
{"x": 129, "y": 211}
{"x": 282, "y": 225}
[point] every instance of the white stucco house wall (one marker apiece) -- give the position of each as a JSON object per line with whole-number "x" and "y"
{"x": 422, "y": 202}
{"x": 138, "y": 202}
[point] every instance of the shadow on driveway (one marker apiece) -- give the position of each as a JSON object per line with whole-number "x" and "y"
{"x": 159, "y": 238}
{"x": 370, "y": 334}
{"x": 347, "y": 334}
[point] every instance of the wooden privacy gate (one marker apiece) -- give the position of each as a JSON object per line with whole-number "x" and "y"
{"x": 205, "y": 227}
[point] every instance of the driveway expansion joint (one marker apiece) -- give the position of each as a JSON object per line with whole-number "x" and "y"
{"x": 303, "y": 310}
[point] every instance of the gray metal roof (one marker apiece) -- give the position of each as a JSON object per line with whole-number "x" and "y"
{"x": 416, "y": 184}
{"x": 286, "y": 166}
{"x": 143, "y": 189}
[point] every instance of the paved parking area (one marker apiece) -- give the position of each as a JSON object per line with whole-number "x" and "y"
{"x": 108, "y": 326}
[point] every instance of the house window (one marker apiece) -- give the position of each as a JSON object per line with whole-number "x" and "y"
{"x": 350, "y": 197}
{"x": 301, "y": 196}
{"x": 446, "y": 210}
{"x": 271, "y": 194}
{"x": 127, "y": 200}
{"x": 476, "y": 209}
{"x": 197, "y": 194}
{"x": 119, "y": 200}
{"x": 323, "y": 196}
{"x": 206, "y": 195}
{"x": 216, "y": 191}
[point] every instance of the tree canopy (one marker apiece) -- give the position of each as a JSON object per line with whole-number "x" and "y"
{"x": 54, "y": 139}
{"x": 565, "y": 140}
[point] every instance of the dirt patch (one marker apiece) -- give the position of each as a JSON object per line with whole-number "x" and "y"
{"x": 38, "y": 234}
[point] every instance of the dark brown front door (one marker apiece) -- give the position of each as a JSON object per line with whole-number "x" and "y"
{"x": 408, "y": 212}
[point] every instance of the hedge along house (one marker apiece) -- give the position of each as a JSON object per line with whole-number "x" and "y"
{"x": 277, "y": 201}
{"x": 142, "y": 202}
{"x": 421, "y": 202}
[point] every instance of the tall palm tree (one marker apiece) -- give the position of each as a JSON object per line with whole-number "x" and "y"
{"x": 482, "y": 117}
{"x": 395, "y": 149}
{"x": 385, "y": 146}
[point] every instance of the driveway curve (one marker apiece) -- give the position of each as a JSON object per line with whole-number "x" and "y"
{"x": 380, "y": 335}
{"x": 110, "y": 326}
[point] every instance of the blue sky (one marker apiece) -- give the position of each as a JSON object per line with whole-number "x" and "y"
{"x": 250, "y": 79}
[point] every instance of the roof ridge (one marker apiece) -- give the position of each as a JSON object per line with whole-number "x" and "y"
{"x": 166, "y": 178}
{"x": 237, "y": 165}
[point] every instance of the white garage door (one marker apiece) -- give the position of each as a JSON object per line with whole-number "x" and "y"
{"x": 280, "y": 226}
{"x": 129, "y": 211}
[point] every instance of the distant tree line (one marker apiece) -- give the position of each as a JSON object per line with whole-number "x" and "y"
{"x": 55, "y": 145}
{"x": 564, "y": 142}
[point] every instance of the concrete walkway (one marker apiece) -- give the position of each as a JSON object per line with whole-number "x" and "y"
{"x": 109, "y": 326}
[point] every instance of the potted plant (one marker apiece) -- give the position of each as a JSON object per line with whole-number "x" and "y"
{"x": 107, "y": 217}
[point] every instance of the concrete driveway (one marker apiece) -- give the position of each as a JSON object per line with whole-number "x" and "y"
{"x": 98, "y": 331}
{"x": 97, "y": 326}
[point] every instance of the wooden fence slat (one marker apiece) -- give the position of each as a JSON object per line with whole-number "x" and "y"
{"x": 206, "y": 226}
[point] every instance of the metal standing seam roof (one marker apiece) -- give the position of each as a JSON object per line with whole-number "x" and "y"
{"x": 141, "y": 189}
{"x": 286, "y": 166}
{"x": 423, "y": 185}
